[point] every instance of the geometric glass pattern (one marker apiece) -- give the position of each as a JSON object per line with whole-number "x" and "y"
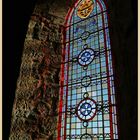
{"x": 86, "y": 109}
{"x": 87, "y": 103}
{"x": 86, "y": 56}
{"x": 86, "y": 80}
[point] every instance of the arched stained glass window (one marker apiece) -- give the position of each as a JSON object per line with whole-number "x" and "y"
{"x": 87, "y": 108}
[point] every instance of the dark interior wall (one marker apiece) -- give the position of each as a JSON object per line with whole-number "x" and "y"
{"x": 16, "y": 15}
{"x": 123, "y": 30}
{"x": 35, "y": 110}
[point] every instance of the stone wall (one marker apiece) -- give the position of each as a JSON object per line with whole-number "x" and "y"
{"x": 37, "y": 94}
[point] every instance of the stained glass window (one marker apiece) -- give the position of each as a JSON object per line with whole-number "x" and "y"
{"x": 87, "y": 108}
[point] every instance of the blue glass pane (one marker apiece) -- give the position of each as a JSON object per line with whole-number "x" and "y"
{"x": 88, "y": 77}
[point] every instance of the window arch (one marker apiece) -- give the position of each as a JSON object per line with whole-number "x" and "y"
{"x": 87, "y": 108}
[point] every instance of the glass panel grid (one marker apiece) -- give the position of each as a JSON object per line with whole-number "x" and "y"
{"x": 89, "y": 108}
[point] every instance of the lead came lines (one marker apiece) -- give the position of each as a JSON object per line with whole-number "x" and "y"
{"x": 86, "y": 108}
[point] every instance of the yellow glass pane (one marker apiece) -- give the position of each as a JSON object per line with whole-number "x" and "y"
{"x": 85, "y": 8}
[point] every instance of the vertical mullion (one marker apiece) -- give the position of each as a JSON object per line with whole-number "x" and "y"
{"x": 98, "y": 34}
{"x": 72, "y": 27}
{"x": 108, "y": 79}
{"x": 66, "y": 105}
{"x": 65, "y": 127}
{"x": 73, "y": 46}
{"x": 86, "y": 71}
{"x": 61, "y": 88}
{"x": 96, "y": 82}
{"x": 71, "y": 86}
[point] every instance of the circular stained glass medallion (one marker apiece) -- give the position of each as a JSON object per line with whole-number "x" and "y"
{"x": 86, "y": 57}
{"x": 86, "y": 109}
